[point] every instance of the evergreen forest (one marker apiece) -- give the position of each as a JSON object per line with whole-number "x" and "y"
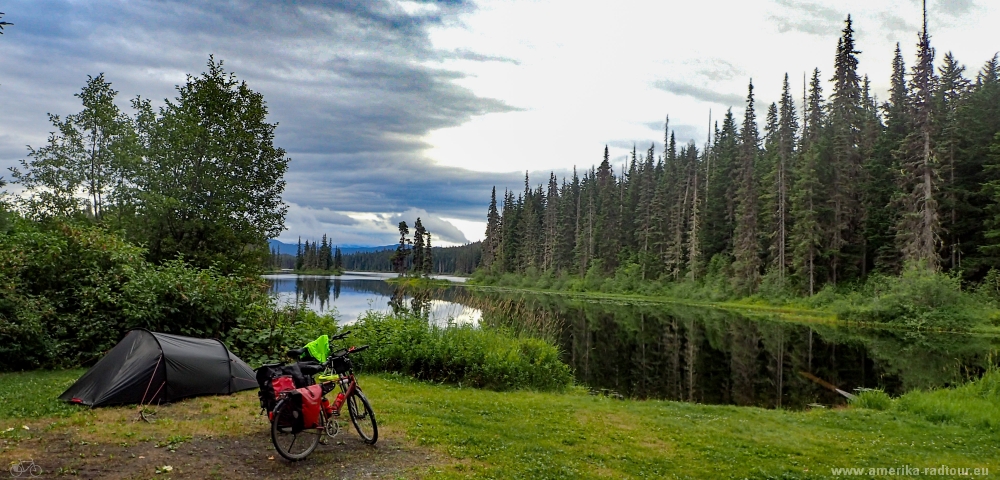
{"x": 826, "y": 190}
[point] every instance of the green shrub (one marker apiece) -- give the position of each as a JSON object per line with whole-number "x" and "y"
{"x": 68, "y": 293}
{"x": 476, "y": 357}
{"x": 874, "y": 399}
{"x": 918, "y": 299}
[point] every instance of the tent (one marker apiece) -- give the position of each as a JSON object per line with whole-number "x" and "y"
{"x": 149, "y": 367}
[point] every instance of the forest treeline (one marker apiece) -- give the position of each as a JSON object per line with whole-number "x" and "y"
{"x": 322, "y": 255}
{"x": 461, "y": 260}
{"x": 832, "y": 188}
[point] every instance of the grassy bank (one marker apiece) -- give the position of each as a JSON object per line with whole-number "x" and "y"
{"x": 313, "y": 271}
{"x": 418, "y": 282}
{"x": 914, "y": 300}
{"x": 436, "y": 431}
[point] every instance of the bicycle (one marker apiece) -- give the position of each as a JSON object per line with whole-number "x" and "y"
{"x": 336, "y": 370}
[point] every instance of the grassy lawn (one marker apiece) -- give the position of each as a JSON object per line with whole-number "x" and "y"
{"x": 436, "y": 431}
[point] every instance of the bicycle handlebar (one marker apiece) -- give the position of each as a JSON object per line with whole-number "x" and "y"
{"x": 340, "y": 336}
{"x": 345, "y": 352}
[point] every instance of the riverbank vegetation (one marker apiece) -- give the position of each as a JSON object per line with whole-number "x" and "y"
{"x": 883, "y": 212}
{"x": 451, "y": 432}
{"x": 915, "y": 299}
{"x": 460, "y": 354}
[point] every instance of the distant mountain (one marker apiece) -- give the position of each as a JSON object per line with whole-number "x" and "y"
{"x": 292, "y": 248}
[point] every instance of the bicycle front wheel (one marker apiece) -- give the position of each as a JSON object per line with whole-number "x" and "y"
{"x": 363, "y": 417}
{"x": 291, "y": 444}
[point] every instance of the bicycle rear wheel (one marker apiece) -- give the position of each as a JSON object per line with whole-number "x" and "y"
{"x": 290, "y": 444}
{"x": 363, "y": 417}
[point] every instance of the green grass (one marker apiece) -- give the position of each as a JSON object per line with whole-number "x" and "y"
{"x": 33, "y": 394}
{"x": 488, "y": 434}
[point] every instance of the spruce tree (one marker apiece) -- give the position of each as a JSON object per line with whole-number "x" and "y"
{"x": 807, "y": 197}
{"x": 402, "y": 252}
{"x": 845, "y": 125}
{"x": 606, "y": 220}
{"x": 419, "y": 235}
{"x": 551, "y": 224}
{"x": 428, "y": 256}
{"x": 882, "y": 171}
{"x": 745, "y": 248}
{"x": 492, "y": 240}
{"x": 298, "y": 256}
{"x": 918, "y": 230}
{"x": 953, "y": 87}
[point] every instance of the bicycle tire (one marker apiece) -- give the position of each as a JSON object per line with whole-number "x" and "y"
{"x": 281, "y": 433}
{"x": 363, "y": 416}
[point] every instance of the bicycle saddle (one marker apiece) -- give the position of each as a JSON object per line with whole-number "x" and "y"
{"x": 296, "y": 352}
{"x": 310, "y": 368}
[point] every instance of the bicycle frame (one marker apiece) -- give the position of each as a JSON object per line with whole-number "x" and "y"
{"x": 352, "y": 385}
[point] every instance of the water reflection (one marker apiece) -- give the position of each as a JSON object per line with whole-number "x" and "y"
{"x": 353, "y": 294}
{"x": 711, "y": 356}
{"x": 676, "y": 352}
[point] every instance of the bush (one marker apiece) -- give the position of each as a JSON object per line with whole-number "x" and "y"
{"x": 68, "y": 293}
{"x": 918, "y": 299}
{"x": 874, "y": 399}
{"x": 470, "y": 356}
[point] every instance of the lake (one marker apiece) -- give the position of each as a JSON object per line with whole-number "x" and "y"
{"x": 670, "y": 351}
{"x": 354, "y": 293}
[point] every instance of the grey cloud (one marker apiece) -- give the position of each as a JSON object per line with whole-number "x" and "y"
{"x": 345, "y": 80}
{"x": 439, "y": 228}
{"x": 786, "y": 25}
{"x": 478, "y": 57}
{"x": 718, "y": 69}
{"x": 809, "y": 18}
{"x": 686, "y": 133}
{"x": 954, "y": 8}
{"x": 699, "y": 93}
{"x": 891, "y": 22}
{"x": 654, "y": 125}
{"x": 680, "y": 131}
{"x": 626, "y": 144}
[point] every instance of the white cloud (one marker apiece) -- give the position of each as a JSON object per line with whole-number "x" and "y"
{"x": 587, "y": 72}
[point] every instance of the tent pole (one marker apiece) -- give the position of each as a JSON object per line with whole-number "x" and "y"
{"x": 151, "y": 378}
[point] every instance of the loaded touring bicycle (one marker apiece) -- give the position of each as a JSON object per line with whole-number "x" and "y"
{"x": 296, "y": 404}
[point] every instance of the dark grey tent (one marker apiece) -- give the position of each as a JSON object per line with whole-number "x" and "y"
{"x": 148, "y": 367}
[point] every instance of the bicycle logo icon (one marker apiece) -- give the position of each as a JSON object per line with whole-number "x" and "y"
{"x": 22, "y": 467}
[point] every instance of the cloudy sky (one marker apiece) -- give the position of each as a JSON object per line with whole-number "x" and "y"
{"x": 392, "y": 110}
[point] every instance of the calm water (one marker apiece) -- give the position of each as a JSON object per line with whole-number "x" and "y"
{"x": 645, "y": 350}
{"x": 354, "y": 293}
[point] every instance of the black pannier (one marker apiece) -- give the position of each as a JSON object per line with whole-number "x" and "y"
{"x": 291, "y": 416}
{"x": 301, "y": 374}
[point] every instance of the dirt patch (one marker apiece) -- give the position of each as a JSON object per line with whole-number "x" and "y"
{"x": 250, "y": 456}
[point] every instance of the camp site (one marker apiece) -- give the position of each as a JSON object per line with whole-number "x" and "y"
{"x": 499, "y": 239}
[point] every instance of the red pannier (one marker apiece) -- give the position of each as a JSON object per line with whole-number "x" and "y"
{"x": 312, "y": 401}
{"x": 281, "y": 384}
